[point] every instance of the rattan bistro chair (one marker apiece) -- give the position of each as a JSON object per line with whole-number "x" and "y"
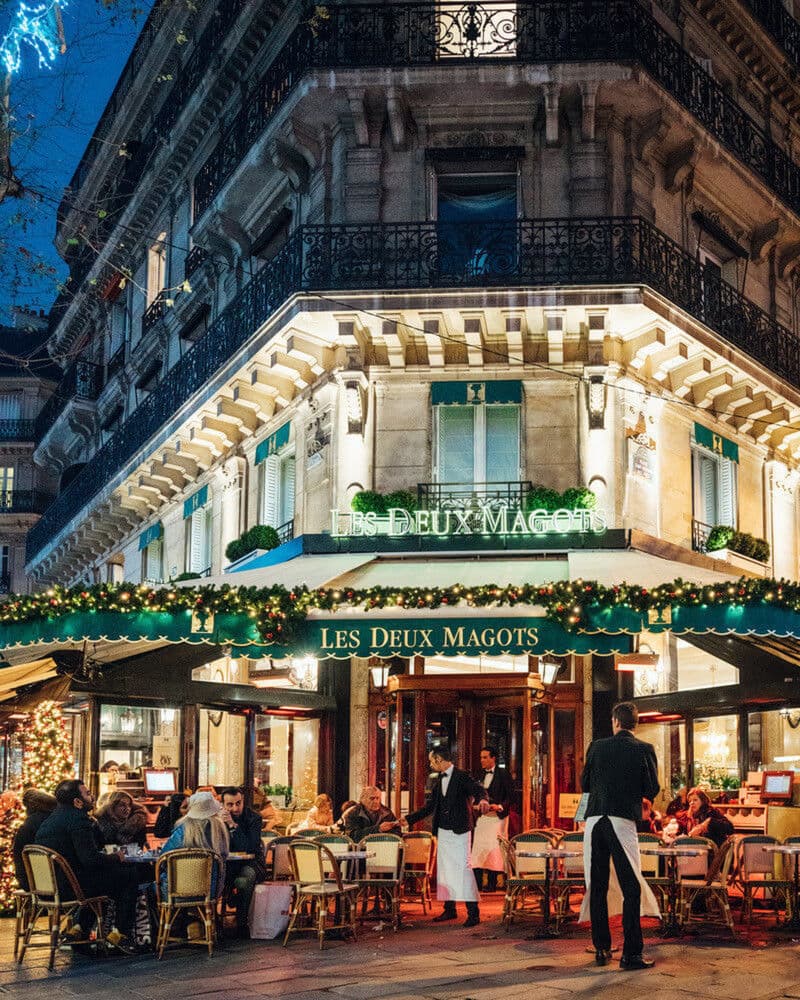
{"x": 650, "y": 865}
{"x": 22, "y": 911}
{"x": 314, "y": 893}
{"x": 383, "y": 873}
{"x": 713, "y": 889}
{"x": 43, "y": 867}
{"x": 418, "y": 866}
{"x": 755, "y": 871}
{"x": 525, "y": 877}
{"x": 190, "y": 889}
{"x": 571, "y": 879}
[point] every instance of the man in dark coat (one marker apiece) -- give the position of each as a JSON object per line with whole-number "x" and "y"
{"x": 619, "y": 772}
{"x": 70, "y": 830}
{"x": 241, "y": 877}
{"x": 450, "y": 806}
{"x": 486, "y": 855}
{"x": 38, "y": 806}
{"x": 369, "y": 816}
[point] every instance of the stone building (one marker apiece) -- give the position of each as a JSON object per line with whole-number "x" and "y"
{"x": 462, "y": 251}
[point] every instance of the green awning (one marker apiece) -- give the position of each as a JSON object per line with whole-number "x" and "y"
{"x": 716, "y": 442}
{"x": 272, "y": 445}
{"x": 473, "y": 393}
{"x": 195, "y": 501}
{"x": 152, "y": 534}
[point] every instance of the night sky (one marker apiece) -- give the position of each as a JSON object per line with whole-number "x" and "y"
{"x": 55, "y": 112}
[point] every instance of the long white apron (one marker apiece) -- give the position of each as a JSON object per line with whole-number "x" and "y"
{"x": 485, "y": 847}
{"x": 625, "y": 830}
{"x": 455, "y": 880}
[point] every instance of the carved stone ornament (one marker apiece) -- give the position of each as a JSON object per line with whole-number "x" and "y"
{"x": 318, "y": 432}
{"x": 479, "y": 138}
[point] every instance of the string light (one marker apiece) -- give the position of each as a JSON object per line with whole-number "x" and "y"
{"x": 39, "y": 27}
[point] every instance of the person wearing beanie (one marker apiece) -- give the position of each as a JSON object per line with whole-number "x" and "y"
{"x": 38, "y": 806}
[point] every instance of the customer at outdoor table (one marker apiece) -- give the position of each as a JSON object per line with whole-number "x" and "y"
{"x": 450, "y": 806}
{"x": 71, "y": 831}
{"x": 169, "y": 814}
{"x": 320, "y": 815}
{"x": 269, "y": 814}
{"x": 705, "y": 820}
{"x": 201, "y": 827}
{"x": 244, "y": 827}
{"x": 680, "y": 803}
{"x": 619, "y": 772}
{"x": 369, "y": 816}
{"x": 38, "y": 806}
{"x": 650, "y": 821}
{"x": 122, "y": 821}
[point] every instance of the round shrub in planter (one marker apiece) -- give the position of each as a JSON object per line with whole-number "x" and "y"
{"x": 543, "y": 498}
{"x": 579, "y": 498}
{"x": 404, "y": 499}
{"x": 719, "y": 537}
{"x": 369, "y": 502}
{"x": 260, "y": 536}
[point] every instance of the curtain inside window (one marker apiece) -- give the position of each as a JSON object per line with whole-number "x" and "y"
{"x": 477, "y": 235}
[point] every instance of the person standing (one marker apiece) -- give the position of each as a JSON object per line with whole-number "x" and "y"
{"x": 619, "y": 772}
{"x": 450, "y": 806}
{"x": 486, "y": 856}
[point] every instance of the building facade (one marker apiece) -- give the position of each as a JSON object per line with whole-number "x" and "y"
{"x": 492, "y": 256}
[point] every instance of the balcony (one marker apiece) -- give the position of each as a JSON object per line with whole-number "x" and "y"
{"x": 24, "y": 501}
{"x": 5, "y": 584}
{"x": 777, "y": 20}
{"x": 285, "y": 531}
{"x": 424, "y": 255}
{"x": 115, "y": 363}
{"x": 155, "y": 312}
{"x": 194, "y": 260}
{"x": 700, "y": 533}
{"x": 17, "y": 430}
{"x": 479, "y": 496}
{"x": 81, "y": 381}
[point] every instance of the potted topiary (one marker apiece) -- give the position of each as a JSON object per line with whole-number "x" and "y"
{"x": 259, "y": 538}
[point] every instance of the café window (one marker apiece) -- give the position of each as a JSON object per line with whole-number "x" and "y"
{"x": 276, "y": 463}
{"x": 774, "y": 740}
{"x": 134, "y": 737}
{"x": 220, "y": 747}
{"x": 197, "y": 519}
{"x": 668, "y": 737}
{"x": 716, "y": 750}
{"x": 714, "y": 468}
{"x": 476, "y": 217}
{"x": 287, "y": 758}
{"x": 677, "y": 665}
{"x": 477, "y": 432}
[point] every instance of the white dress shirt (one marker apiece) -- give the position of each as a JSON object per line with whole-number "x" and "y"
{"x": 446, "y": 779}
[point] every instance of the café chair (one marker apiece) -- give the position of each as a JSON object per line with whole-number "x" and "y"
{"x": 554, "y": 836}
{"x": 651, "y": 871}
{"x": 268, "y": 835}
{"x": 43, "y": 867}
{"x": 570, "y": 879}
{"x": 696, "y": 867}
{"x": 713, "y": 888}
{"x": 277, "y": 860}
{"x": 383, "y": 873}
{"x": 336, "y": 844}
{"x": 314, "y": 893}
{"x": 22, "y": 909}
{"x": 419, "y": 859}
{"x": 194, "y": 885}
{"x": 525, "y": 877}
{"x": 755, "y": 871}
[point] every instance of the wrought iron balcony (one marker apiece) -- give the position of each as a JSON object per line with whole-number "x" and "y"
{"x": 154, "y": 312}
{"x": 17, "y": 430}
{"x": 774, "y": 16}
{"x": 5, "y": 584}
{"x": 700, "y": 533}
{"x": 82, "y": 380}
{"x": 285, "y": 531}
{"x": 115, "y": 363}
{"x": 427, "y": 255}
{"x": 478, "y": 496}
{"x": 194, "y": 259}
{"x": 24, "y": 501}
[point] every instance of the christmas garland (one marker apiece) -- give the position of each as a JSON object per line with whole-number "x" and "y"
{"x": 279, "y": 613}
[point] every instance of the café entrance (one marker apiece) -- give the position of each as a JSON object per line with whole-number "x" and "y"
{"x": 467, "y": 703}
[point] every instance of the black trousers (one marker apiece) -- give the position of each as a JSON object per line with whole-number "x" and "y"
{"x": 606, "y": 846}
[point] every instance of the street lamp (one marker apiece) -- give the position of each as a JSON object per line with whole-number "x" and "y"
{"x": 549, "y": 668}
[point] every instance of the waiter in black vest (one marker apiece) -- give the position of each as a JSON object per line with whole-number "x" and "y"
{"x": 450, "y": 805}
{"x": 619, "y": 772}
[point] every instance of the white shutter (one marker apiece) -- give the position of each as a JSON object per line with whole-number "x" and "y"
{"x": 10, "y": 406}
{"x": 456, "y": 444}
{"x": 270, "y": 490}
{"x": 287, "y": 490}
{"x": 501, "y": 456}
{"x": 708, "y": 489}
{"x": 152, "y": 569}
{"x": 726, "y": 509}
{"x": 197, "y": 542}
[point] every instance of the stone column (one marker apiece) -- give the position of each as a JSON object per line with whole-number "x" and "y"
{"x": 359, "y": 725}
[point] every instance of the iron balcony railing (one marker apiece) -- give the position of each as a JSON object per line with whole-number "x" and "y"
{"x": 24, "y": 501}
{"x": 5, "y": 584}
{"x": 285, "y": 531}
{"x": 82, "y": 380}
{"x": 17, "y": 430}
{"x": 154, "y": 312}
{"x": 477, "y": 496}
{"x": 777, "y": 20}
{"x": 420, "y": 34}
{"x": 429, "y": 255}
{"x": 194, "y": 259}
{"x": 115, "y": 363}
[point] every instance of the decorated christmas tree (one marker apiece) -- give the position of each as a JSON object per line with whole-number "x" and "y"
{"x": 11, "y": 817}
{"x": 47, "y": 751}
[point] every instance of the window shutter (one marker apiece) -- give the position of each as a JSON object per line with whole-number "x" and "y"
{"x": 269, "y": 494}
{"x": 456, "y": 445}
{"x": 502, "y": 444}
{"x": 287, "y": 490}
{"x": 708, "y": 488}
{"x": 10, "y": 406}
{"x": 197, "y": 541}
{"x": 727, "y": 493}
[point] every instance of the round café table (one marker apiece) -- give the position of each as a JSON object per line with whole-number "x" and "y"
{"x": 551, "y": 856}
{"x": 790, "y": 851}
{"x": 670, "y": 924}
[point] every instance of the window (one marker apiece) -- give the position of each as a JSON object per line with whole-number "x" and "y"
{"x": 476, "y": 216}
{"x": 287, "y": 753}
{"x": 681, "y": 666}
{"x": 10, "y": 406}
{"x": 716, "y": 749}
{"x": 277, "y": 489}
{"x": 714, "y": 487}
{"x": 134, "y": 737}
{"x": 6, "y": 486}
{"x": 477, "y": 444}
{"x": 198, "y": 535}
{"x": 5, "y": 568}
{"x": 220, "y": 748}
{"x": 156, "y": 268}
{"x": 152, "y": 559}
{"x": 774, "y": 740}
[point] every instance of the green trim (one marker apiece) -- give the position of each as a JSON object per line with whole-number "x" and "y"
{"x": 716, "y": 442}
{"x": 152, "y": 534}
{"x": 272, "y": 445}
{"x": 474, "y": 393}
{"x": 195, "y": 501}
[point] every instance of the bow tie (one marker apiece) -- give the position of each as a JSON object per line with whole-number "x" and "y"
{"x": 490, "y": 772}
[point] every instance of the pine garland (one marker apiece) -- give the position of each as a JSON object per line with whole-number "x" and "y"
{"x": 279, "y": 613}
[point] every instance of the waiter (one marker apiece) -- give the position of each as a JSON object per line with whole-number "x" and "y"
{"x": 450, "y": 805}
{"x": 486, "y": 856}
{"x": 619, "y": 772}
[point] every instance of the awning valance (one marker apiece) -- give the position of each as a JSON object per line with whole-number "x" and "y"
{"x": 151, "y": 534}
{"x": 473, "y": 393}
{"x": 716, "y": 442}
{"x": 195, "y": 501}
{"x": 272, "y": 445}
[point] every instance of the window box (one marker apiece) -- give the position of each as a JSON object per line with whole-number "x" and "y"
{"x": 737, "y": 560}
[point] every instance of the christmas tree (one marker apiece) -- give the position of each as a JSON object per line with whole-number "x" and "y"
{"x": 47, "y": 751}
{"x": 11, "y": 817}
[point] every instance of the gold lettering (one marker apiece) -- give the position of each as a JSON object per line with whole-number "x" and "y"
{"x": 376, "y": 634}
{"x": 454, "y": 637}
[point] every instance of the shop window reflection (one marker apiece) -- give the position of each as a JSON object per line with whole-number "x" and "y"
{"x": 774, "y": 740}
{"x": 681, "y": 667}
{"x": 286, "y": 759}
{"x": 134, "y": 737}
{"x": 716, "y": 751}
{"x": 220, "y": 759}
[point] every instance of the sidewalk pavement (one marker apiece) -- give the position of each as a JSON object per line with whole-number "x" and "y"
{"x": 424, "y": 961}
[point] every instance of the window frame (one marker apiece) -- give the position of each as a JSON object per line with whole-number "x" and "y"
{"x": 203, "y": 517}
{"x": 479, "y": 450}
{"x": 273, "y": 465}
{"x": 699, "y": 454}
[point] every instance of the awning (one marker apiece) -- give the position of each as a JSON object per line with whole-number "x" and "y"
{"x": 32, "y": 672}
{"x": 631, "y": 566}
{"x": 440, "y": 572}
{"x": 716, "y": 442}
{"x": 195, "y": 501}
{"x": 151, "y": 534}
{"x": 473, "y": 393}
{"x": 272, "y": 445}
{"x": 311, "y": 571}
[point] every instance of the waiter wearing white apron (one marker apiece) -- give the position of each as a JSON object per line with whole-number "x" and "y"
{"x": 619, "y": 772}
{"x": 450, "y": 807}
{"x": 486, "y": 855}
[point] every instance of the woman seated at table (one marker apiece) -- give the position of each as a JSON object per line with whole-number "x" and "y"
{"x": 320, "y": 815}
{"x": 706, "y": 821}
{"x": 651, "y": 819}
{"x": 121, "y": 821}
{"x": 201, "y": 827}
{"x": 169, "y": 814}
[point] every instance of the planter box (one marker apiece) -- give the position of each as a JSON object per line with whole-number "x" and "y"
{"x": 243, "y": 562}
{"x": 737, "y": 560}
